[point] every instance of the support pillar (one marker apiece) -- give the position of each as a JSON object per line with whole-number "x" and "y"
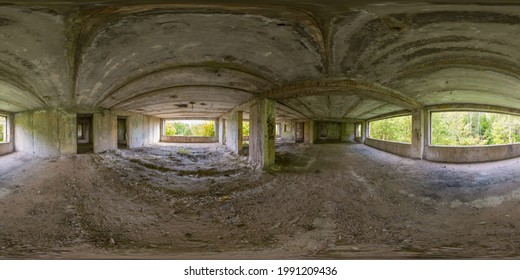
{"x": 309, "y": 132}
{"x": 221, "y": 131}
{"x": 417, "y": 149}
{"x": 364, "y": 131}
{"x": 262, "y": 133}
{"x": 233, "y": 132}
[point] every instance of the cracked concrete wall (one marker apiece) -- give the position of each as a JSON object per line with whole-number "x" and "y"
{"x": 48, "y": 132}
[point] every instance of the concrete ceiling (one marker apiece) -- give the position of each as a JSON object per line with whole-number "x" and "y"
{"x": 326, "y": 60}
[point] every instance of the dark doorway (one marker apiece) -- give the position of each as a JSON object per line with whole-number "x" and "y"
{"x": 85, "y": 134}
{"x": 300, "y": 132}
{"x": 122, "y": 142}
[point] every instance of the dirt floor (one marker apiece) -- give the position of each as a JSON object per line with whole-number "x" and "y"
{"x": 327, "y": 201}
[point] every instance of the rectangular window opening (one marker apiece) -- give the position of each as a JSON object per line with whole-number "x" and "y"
{"x": 245, "y": 128}
{"x": 470, "y": 128}
{"x": 189, "y": 128}
{"x": 4, "y": 135}
{"x": 395, "y": 129}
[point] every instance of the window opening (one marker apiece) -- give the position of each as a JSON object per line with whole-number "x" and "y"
{"x": 395, "y": 129}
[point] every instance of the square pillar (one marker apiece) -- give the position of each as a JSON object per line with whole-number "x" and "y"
{"x": 221, "y": 131}
{"x": 418, "y": 137}
{"x": 262, "y": 133}
{"x": 309, "y": 132}
{"x": 233, "y": 132}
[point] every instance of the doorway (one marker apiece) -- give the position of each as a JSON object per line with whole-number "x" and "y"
{"x": 122, "y": 142}
{"x": 85, "y": 134}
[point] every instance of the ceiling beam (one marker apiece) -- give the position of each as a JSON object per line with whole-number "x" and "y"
{"x": 352, "y": 107}
{"x": 290, "y": 110}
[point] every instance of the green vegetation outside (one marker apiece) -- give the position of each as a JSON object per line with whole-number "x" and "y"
{"x": 245, "y": 128}
{"x": 474, "y": 128}
{"x": 189, "y": 128}
{"x": 3, "y": 123}
{"x": 397, "y": 129}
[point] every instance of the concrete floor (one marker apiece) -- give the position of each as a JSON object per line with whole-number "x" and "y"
{"x": 201, "y": 201}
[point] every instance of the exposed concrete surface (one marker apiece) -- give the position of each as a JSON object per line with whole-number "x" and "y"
{"x": 262, "y": 133}
{"x": 234, "y": 137}
{"x": 402, "y": 149}
{"x": 326, "y": 201}
{"x": 188, "y": 139}
{"x": 340, "y": 59}
{"x": 46, "y": 132}
{"x": 471, "y": 154}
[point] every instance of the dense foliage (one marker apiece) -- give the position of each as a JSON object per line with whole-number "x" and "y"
{"x": 180, "y": 128}
{"x": 3, "y": 124}
{"x": 398, "y": 129}
{"x": 245, "y": 128}
{"x": 474, "y": 128}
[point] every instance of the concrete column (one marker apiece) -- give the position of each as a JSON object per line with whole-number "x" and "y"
{"x": 417, "y": 134}
{"x": 233, "y": 131}
{"x": 426, "y": 133}
{"x": 262, "y": 133}
{"x": 216, "y": 128}
{"x": 105, "y": 131}
{"x": 222, "y": 131}
{"x": 309, "y": 132}
{"x": 365, "y": 132}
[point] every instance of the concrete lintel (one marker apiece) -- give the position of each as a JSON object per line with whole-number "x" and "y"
{"x": 390, "y": 115}
{"x": 244, "y": 107}
{"x": 342, "y": 87}
{"x": 472, "y": 107}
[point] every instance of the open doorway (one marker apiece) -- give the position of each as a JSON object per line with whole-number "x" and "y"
{"x": 85, "y": 135}
{"x": 122, "y": 142}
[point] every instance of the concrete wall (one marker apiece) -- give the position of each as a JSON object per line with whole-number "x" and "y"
{"x": 53, "y": 131}
{"x": 401, "y": 149}
{"x": 47, "y": 132}
{"x": 335, "y": 131}
{"x": 189, "y": 139}
{"x": 141, "y": 130}
{"x": 328, "y": 131}
{"x": 287, "y": 131}
{"x": 471, "y": 154}
{"x": 348, "y": 132}
{"x": 8, "y": 147}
